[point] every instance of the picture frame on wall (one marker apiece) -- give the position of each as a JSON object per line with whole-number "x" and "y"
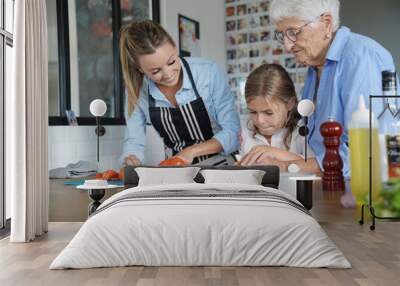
{"x": 189, "y": 37}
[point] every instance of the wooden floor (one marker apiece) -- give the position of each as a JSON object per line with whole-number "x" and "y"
{"x": 374, "y": 255}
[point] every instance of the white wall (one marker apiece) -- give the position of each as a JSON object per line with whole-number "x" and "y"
{"x": 69, "y": 144}
{"x": 211, "y": 16}
{"x": 379, "y": 20}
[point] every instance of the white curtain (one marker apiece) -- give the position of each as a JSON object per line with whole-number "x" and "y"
{"x": 27, "y": 123}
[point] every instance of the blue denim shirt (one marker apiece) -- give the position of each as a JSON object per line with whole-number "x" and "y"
{"x": 212, "y": 85}
{"x": 353, "y": 67}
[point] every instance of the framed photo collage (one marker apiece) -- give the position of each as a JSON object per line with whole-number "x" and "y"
{"x": 250, "y": 43}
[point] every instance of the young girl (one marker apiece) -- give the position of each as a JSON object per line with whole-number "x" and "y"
{"x": 271, "y": 135}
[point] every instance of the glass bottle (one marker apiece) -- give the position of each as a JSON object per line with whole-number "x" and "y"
{"x": 389, "y": 122}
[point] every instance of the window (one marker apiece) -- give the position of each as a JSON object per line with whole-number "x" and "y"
{"x": 6, "y": 44}
{"x": 84, "y": 55}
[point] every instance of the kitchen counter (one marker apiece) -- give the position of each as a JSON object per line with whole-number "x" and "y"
{"x": 67, "y": 203}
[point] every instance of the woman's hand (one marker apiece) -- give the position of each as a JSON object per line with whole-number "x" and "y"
{"x": 187, "y": 155}
{"x": 210, "y": 146}
{"x": 131, "y": 160}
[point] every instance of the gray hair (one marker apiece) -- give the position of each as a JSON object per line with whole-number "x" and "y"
{"x": 305, "y": 10}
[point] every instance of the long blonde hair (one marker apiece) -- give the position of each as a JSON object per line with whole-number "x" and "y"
{"x": 272, "y": 81}
{"x": 137, "y": 39}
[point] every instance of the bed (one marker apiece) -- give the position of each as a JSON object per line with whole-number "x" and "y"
{"x": 201, "y": 224}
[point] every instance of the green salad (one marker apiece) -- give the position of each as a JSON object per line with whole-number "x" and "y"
{"x": 388, "y": 202}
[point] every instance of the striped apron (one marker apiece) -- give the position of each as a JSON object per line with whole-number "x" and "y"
{"x": 186, "y": 125}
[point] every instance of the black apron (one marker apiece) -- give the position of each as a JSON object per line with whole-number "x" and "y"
{"x": 185, "y": 125}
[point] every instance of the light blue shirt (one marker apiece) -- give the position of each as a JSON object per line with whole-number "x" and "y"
{"x": 353, "y": 67}
{"x": 212, "y": 85}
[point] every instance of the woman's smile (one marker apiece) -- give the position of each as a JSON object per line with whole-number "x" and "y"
{"x": 170, "y": 79}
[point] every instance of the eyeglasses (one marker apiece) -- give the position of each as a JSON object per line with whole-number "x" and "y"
{"x": 292, "y": 33}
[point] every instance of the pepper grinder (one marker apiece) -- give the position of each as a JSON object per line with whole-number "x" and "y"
{"x": 332, "y": 178}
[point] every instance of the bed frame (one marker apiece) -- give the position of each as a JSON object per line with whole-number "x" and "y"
{"x": 270, "y": 179}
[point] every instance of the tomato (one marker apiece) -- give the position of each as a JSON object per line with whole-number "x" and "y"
{"x": 110, "y": 174}
{"x": 99, "y": 176}
{"x": 174, "y": 161}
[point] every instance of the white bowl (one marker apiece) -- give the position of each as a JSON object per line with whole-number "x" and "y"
{"x": 96, "y": 183}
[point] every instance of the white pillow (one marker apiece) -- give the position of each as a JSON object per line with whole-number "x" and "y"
{"x": 248, "y": 177}
{"x": 166, "y": 176}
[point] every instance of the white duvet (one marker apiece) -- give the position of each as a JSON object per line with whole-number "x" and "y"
{"x": 183, "y": 231}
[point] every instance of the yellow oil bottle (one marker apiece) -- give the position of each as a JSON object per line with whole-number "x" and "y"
{"x": 359, "y": 155}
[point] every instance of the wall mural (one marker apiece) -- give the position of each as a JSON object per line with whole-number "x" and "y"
{"x": 250, "y": 43}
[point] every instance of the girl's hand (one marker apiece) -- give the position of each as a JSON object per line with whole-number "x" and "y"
{"x": 131, "y": 160}
{"x": 261, "y": 152}
{"x": 265, "y": 158}
{"x": 256, "y": 153}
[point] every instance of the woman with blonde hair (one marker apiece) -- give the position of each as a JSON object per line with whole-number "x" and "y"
{"x": 187, "y": 100}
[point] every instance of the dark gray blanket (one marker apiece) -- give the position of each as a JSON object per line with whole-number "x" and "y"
{"x": 206, "y": 194}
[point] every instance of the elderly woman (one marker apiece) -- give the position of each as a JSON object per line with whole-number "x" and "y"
{"x": 342, "y": 65}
